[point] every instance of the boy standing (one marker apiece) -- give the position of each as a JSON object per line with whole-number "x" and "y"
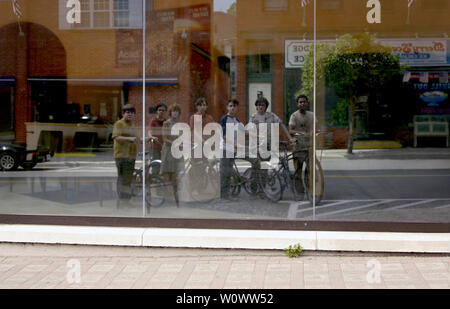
{"x": 155, "y": 132}
{"x": 302, "y": 122}
{"x": 125, "y": 147}
{"x": 230, "y": 143}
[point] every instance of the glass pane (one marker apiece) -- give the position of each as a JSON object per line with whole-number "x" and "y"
{"x": 382, "y": 105}
{"x": 100, "y": 5}
{"x": 63, "y": 86}
{"x": 379, "y": 76}
{"x": 219, "y": 51}
{"x": 101, "y": 19}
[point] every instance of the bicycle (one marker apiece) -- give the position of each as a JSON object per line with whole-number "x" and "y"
{"x": 248, "y": 180}
{"x": 307, "y": 175}
{"x": 154, "y": 183}
{"x": 289, "y": 180}
{"x": 282, "y": 171}
{"x": 236, "y": 181}
{"x": 202, "y": 178}
{"x": 256, "y": 181}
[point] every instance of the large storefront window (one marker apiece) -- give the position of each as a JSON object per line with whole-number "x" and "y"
{"x": 268, "y": 111}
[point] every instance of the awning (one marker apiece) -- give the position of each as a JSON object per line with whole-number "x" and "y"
{"x": 132, "y": 81}
{"x": 7, "y": 81}
{"x": 424, "y": 77}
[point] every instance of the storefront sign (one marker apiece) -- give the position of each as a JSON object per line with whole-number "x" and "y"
{"x": 295, "y": 52}
{"x": 419, "y": 52}
{"x": 415, "y": 52}
{"x": 128, "y": 47}
{"x": 185, "y": 19}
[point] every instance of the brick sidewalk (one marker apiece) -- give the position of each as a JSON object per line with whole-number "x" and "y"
{"x": 107, "y": 268}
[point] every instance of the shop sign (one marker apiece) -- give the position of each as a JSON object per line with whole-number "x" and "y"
{"x": 128, "y": 51}
{"x": 415, "y": 52}
{"x": 184, "y": 19}
{"x": 295, "y": 52}
{"x": 419, "y": 52}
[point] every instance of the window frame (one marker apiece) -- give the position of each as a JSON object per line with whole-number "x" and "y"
{"x": 274, "y": 8}
{"x": 111, "y": 10}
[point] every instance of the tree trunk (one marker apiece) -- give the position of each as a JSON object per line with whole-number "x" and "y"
{"x": 351, "y": 114}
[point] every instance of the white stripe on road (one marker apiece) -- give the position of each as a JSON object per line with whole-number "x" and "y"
{"x": 293, "y": 209}
{"x": 444, "y": 206}
{"x": 412, "y": 204}
{"x": 294, "y": 206}
{"x": 355, "y": 208}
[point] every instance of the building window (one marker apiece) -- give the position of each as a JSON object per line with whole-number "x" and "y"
{"x": 275, "y": 5}
{"x": 434, "y": 4}
{"x": 121, "y": 13}
{"x": 259, "y": 57}
{"x": 388, "y": 5}
{"x": 103, "y": 14}
{"x": 330, "y": 5}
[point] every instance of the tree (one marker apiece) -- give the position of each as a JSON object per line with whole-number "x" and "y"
{"x": 356, "y": 66}
{"x": 232, "y": 9}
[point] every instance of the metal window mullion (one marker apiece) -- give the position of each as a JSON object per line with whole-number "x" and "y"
{"x": 91, "y": 14}
{"x": 144, "y": 188}
{"x": 315, "y": 113}
{"x": 111, "y": 14}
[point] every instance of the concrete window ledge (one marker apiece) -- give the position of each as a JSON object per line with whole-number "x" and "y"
{"x": 227, "y": 239}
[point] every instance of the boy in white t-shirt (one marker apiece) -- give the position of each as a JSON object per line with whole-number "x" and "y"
{"x": 302, "y": 121}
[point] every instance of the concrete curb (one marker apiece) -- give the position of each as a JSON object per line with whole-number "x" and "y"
{"x": 228, "y": 239}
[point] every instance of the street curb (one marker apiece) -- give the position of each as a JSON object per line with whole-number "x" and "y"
{"x": 228, "y": 239}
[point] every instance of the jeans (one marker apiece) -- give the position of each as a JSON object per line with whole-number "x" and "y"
{"x": 125, "y": 169}
{"x": 226, "y": 170}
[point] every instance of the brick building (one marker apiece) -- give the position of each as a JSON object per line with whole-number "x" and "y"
{"x": 271, "y": 33}
{"x": 54, "y": 68}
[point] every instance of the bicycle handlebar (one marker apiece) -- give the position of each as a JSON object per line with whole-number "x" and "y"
{"x": 304, "y": 134}
{"x": 154, "y": 140}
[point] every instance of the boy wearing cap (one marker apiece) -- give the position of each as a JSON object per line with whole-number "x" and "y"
{"x": 125, "y": 135}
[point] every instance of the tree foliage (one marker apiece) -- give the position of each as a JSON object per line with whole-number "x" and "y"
{"x": 232, "y": 9}
{"x": 355, "y": 66}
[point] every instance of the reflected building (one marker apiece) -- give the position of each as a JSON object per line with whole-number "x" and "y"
{"x": 66, "y": 69}
{"x": 274, "y": 38}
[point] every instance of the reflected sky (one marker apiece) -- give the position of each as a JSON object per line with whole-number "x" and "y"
{"x": 222, "y": 5}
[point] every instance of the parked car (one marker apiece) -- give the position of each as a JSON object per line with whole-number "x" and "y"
{"x": 12, "y": 156}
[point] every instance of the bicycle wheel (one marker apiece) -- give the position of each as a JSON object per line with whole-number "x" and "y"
{"x": 307, "y": 181}
{"x": 296, "y": 184}
{"x": 271, "y": 185}
{"x": 251, "y": 181}
{"x": 235, "y": 185}
{"x": 154, "y": 195}
{"x": 154, "y": 185}
{"x": 154, "y": 192}
{"x": 203, "y": 181}
{"x": 136, "y": 188}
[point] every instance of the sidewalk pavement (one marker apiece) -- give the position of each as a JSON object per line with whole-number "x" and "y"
{"x": 408, "y": 157}
{"x": 35, "y": 266}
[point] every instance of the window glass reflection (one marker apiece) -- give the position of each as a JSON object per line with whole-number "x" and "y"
{"x": 356, "y": 131}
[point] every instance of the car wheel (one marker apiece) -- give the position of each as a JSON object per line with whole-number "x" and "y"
{"x": 8, "y": 162}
